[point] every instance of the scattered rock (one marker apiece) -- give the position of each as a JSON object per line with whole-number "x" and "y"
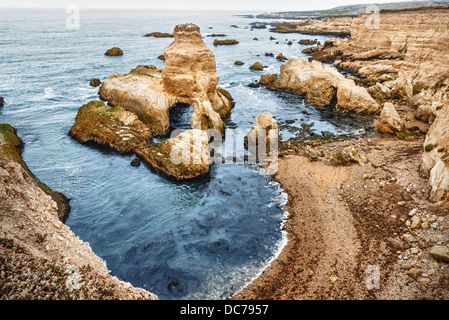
{"x": 415, "y": 222}
{"x": 161, "y": 57}
{"x": 414, "y": 273}
{"x": 440, "y": 253}
{"x": 135, "y": 162}
{"x": 239, "y": 63}
{"x": 225, "y": 42}
{"x": 289, "y": 43}
{"x": 307, "y": 42}
{"x": 351, "y": 154}
{"x": 115, "y": 51}
{"x": 257, "y": 66}
{"x": 159, "y": 35}
{"x": 95, "y": 82}
{"x": 281, "y": 57}
{"x": 2, "y": 101}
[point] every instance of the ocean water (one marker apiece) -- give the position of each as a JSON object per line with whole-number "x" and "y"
{"x": 202, "y": 239}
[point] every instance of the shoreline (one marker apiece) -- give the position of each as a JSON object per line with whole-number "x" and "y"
{"x": 329, "y": 246}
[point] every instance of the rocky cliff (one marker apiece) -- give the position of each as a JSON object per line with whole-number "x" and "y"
{"x": 404, "y": 60}
{"x": 40, "y": 257}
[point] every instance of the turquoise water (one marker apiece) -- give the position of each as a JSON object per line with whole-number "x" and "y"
{"x": 196, "y": 240}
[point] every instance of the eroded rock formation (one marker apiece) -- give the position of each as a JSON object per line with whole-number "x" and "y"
{"x": 139, "y": 103}
{"x": 189, "y": 76}
{"x": 404, "y": 61}
{"x": 322, "y": 86}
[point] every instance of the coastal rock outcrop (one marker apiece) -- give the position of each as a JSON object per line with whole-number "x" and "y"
{"x": 435, "y": 159}
{"x": 189, "y": 76}
{"x": 11, "y": 149}
{"x": 404, "y": 61}
{"x": 334, "y": 25}
{"x": 323, "y": 86}
{"x": 183, "y": 157}
{"x": 113, "y": 127}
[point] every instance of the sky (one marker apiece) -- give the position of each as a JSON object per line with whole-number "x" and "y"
{"x": 248, "y": 5}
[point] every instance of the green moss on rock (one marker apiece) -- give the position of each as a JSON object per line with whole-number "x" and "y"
{"x": 111, "y": 127}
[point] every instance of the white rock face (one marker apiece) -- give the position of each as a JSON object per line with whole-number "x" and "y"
{"x": 391, "y": 117}
{"x": 189, "y": 76}
{"x": 322, "y": 84}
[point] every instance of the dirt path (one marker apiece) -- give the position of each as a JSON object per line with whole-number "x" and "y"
{"x": 347, "y": 224}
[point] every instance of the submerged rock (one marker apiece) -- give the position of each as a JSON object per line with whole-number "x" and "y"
{"x": 115, "y": 51}
{"x": 2, "y": 101}
{"x": 159, "y": 35}
{"x": 239, "y": 63}
{"x": 11, "y": 149}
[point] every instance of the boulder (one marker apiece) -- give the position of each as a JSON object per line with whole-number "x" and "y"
{"x": 281, "y": 57}
{"x": 440, "y": 253}
{"x": 115, "y": 51}
{"x": 257, "y": 66}
{"x": 239, "y": 63}
{"x": 389, "y": 121}
{"x": 351, "y": 154}
{"x": 95, "y": 82}
{"x": 2, "y": 101}
{"x": 267, "y": 126}
{"x": 307, "y": 42}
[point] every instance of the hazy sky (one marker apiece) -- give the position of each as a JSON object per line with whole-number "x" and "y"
{"x": 253, "y": 5}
